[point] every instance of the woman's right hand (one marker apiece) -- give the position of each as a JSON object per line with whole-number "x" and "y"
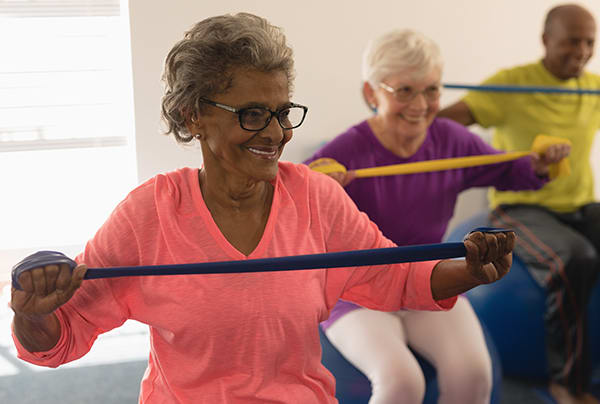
{"x": 45, "y": 289}
{"x": 342, "y": 177}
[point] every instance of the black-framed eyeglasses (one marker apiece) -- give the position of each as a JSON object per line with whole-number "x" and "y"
{"x": 257, "y": 118}
{"x": 407, "y": 93}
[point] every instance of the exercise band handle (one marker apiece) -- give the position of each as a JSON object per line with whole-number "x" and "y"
{"x": 377, "y": 256}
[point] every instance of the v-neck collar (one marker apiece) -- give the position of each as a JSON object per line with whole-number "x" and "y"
{"x": 218, "y": 236}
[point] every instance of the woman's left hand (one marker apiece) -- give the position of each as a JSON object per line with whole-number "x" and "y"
{"x": 552, "y": 155}
{"x": 489, "y": 255}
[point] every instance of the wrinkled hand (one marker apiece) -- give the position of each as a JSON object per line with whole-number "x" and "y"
{"x": 552, "y": 155}
{"x": 45, "y": 289}
{"x": 343, "y": 178}
{"x": 489, "y": 255}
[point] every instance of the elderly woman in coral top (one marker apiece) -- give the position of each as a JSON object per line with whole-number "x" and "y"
{"x": 232, "y": 338}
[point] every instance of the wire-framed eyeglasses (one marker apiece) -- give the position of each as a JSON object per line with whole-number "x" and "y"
{"x": 257, "y": 118}
{"x": 407, "y": 93}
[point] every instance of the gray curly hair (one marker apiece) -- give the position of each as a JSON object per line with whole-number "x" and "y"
{"x": 202, "y": 63}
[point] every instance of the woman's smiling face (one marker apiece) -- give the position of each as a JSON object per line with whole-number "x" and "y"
{"x": 238, "y": 152}
{"x": 409, "y": 118}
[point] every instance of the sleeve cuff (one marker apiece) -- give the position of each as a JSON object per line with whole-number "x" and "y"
{"x": 42, "y": 358}
{"x": 424, "y": 279}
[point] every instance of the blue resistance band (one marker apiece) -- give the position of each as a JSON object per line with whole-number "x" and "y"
{"x": 522, "y": 89}
{"x": 377, "y": 256}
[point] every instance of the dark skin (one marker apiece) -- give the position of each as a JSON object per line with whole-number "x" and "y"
{"x": 45, "y": 289}
{"x": 568, "y": 38}
{"x": 235, "y": 181}
{"x": 488, "y": 259}
{"x": 239, "y": 167}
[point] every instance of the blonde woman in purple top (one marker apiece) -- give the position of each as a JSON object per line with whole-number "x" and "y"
{"x": 402, "y": 72}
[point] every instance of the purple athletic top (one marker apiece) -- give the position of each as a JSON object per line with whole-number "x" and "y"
{"x": 416, "y": 208}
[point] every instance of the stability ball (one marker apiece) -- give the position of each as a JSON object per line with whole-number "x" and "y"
{"x": 512, "y": 310}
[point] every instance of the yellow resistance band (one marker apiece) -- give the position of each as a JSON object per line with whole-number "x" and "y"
{"x": 540, "y": 144}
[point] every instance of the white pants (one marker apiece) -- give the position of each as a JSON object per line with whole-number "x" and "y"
{"x": 452, "y": 341}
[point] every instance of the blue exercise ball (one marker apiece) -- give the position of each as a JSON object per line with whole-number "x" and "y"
{"x": 513, "y": 312}
{"x": 352, "y": 387}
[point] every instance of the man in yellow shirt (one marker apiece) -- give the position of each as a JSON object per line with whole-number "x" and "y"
{"x": 558, "y": 226}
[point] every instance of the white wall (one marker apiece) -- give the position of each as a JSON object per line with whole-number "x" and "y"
{"x": 476, "y": 37}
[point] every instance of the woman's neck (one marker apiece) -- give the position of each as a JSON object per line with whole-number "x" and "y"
{"x": 234, "y": 195}
{"x": 398, "y": 143}
{"x": 239, "y": 209}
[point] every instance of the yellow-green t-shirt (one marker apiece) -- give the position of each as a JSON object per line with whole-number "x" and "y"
{"x": 519, "y": 117}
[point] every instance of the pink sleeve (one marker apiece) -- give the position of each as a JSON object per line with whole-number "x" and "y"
{"x": 93, "y": 309}
{"x": 383, "y": 287}
{"x": 76, "y": 339}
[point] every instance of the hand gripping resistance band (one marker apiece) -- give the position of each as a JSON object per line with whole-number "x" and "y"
{"x": 377, "y": 256}
{"x": 540, "y": 144}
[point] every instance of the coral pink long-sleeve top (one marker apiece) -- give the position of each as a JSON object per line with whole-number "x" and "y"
{"x": 232, "y": 338}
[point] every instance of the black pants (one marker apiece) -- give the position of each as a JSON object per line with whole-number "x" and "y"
{"x": 561, "y": 250}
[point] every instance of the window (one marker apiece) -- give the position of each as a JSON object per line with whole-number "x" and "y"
{"x": 67, "y": 154}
